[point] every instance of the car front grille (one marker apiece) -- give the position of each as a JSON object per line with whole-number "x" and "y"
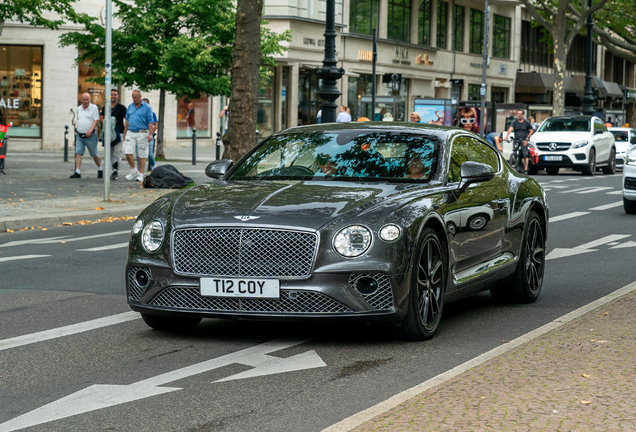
{"x": 620, "y": 161}
{"x": 297, "y": 302}
{"x": 560, "y": 146}
{"x": 135, "y": 291}
{"x": 382, "y": 298}
{"x": 244, "y": 252}
{"x": 630, "y": 183}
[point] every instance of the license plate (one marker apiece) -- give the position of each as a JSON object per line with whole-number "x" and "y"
{"x": 235, "y": 287}
{"x": 552, "y": 158}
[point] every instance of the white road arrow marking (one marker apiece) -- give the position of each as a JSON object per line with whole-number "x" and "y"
{"x": 102, "y": 248}
{"x": 629, "y": 244}
{"x": 584, "y": 248}
{"x": 21, "y": 257}
{"x": 102, "y": 396}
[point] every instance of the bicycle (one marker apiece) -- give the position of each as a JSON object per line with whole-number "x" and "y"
{"x": 516, "y": 157}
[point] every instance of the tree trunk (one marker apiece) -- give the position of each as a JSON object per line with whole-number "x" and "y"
{"x": 560, "y": 58}
{"x": 162, "y": 110}
{"x": 246, "y": 59}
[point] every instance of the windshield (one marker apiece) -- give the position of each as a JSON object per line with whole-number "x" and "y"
{"x": 566, "y": 124}
{"x": 620, "y": 135}
{"x": 341, "y": 155}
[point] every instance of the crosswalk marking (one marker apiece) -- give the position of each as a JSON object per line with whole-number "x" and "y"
{"x": 103, "y": 248}
{"x": 608, "y": 206}
{"x": 568, "y": 216}
{"x": 586, "y": 190}
{"x": 22, "y": 257}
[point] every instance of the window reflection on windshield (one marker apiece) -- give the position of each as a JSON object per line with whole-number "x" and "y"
{"x": 566, "y": 124}
{"x": 346, "y": 154}
{"x": 620, "y": 135}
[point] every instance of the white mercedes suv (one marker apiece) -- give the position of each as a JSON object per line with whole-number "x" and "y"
{"x": 581, "y": 143}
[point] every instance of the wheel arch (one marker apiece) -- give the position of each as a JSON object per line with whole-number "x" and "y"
{"x": 540, "y": 210}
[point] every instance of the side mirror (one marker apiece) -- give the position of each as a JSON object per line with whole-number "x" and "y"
{"x": 633, "y": 140}
{"x": 217, "y": 169}
{"x": 474, "y": 172}
{"x": 598, "y": 131}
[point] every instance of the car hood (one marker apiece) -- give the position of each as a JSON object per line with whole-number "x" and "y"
{"x": 569, "y": 136}
{"x": 622, "y": 146}
{"x": 299, "y": 204}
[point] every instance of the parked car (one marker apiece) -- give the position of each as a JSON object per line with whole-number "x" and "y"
{"x": 581, "y": 143}
{"x": 629, "y": 182}
{"x": 375, "y": 222}
{"x": 624, "y": 140}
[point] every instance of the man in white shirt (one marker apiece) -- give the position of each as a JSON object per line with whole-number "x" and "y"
{"x": 86, "y": 135}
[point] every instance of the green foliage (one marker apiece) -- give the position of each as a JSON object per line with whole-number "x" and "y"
{"x": 30, "y": 11}
{"x": 181, "y": 46}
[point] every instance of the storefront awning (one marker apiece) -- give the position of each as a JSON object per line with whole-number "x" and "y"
{"x": 571, "y": 85}
{"x": 597, "y": 83}
{"x": 534, "y": 83}
{"x": 613, "y": 90}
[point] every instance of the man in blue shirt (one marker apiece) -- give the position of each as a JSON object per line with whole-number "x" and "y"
{"x": 138, "y": 131}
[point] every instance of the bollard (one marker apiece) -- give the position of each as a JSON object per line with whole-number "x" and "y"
{"x": 194, "y": 146}
{"x": 256, "y": 137}
{"x": 218, "y": 145}
{"x": 66, "y": 143}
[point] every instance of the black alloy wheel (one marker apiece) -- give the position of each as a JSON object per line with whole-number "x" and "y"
{"x": 426, "y": 299}
{"x": 611, "y": 163}
{"x": 591, "y": 168}
{"x": 629, "y": 206}
{"x": 167, "y": 323}
{"x": 531, "y": 267}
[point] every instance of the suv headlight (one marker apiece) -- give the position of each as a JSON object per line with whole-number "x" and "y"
{"x": 152, "y": 236}
{"x": 352, "y": 241}
{"x": 580, "y": 144}
{"x": 630, "y": 160}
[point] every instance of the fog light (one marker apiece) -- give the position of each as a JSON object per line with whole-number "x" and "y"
{"x": 366, "y": 285}
{"x": 142, "y": 277}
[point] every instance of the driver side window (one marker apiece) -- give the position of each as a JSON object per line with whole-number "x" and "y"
{"x": 466, "y": 148}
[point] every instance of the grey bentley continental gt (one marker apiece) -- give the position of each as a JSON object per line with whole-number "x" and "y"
{"x": 356, "y": 221}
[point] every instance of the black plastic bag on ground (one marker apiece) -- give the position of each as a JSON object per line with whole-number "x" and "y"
{"x": 166, "y": 177}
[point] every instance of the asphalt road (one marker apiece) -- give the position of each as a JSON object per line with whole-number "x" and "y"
{"x": 75, "y": 279}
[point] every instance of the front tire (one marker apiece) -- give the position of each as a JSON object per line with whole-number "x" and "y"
{"x": 528, "y": 278}
{"x": 629, "y": 206}
{"x": 611, "y": 163}
{"x": 166, "y": 323}
{"x": 552, "y": 170}
{"x": 591, "y": 168}
{"x": 428, "y": 286}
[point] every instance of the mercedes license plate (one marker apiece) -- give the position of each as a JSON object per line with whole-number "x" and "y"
{"x": 552, "y": 158}
{"x": 235, "y": 287}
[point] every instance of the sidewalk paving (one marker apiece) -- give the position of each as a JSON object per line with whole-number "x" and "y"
{"x": 37, "y": 191}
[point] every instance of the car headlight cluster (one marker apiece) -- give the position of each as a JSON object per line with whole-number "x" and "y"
{"x": 389, "y": 232}
{"x": 580, "y": 144}
{"x": 352, "y": 241}
{"x": 152, "y": 236}
{"x": 630, "y": 160}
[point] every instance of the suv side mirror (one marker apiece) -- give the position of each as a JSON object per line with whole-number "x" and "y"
{"x": 633, "y": 140}
{"x": 598, "y": 131}
{"x": 217, "y": 169}
{"x": 474, "y": 172}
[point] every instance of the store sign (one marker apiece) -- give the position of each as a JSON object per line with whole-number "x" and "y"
{"x": 365, "y": 55}
{"x": 630, "y": 95}
{"x": 10, "y": 103}
{"x": 479, "y": 66}
{"x": 423, "y": 60}
{"x": 313, "y": 42}
{"x": 401, "y": 56}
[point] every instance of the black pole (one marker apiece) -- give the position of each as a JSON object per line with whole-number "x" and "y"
{"x": 66, "y": 143}
{"x": 256, "y": 137}
{"x": 588, "y": 98}
{"x": 218, "y": 145}
{"x": 194, "y": 146}
{"x": 329, "y": 73}
{"x": 373, "y": 82}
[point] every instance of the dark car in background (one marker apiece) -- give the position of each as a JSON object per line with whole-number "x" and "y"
{"x": 372, "y": 222}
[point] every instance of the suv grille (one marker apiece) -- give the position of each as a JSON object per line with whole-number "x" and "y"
{"x": 560, "y": 146}
{"x": 244, "y": 252}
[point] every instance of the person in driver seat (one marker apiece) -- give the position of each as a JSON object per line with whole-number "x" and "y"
{"x": 325, "y": 165}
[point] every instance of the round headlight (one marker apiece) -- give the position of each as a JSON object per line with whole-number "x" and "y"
{"x": 352, "y": 241}
{"x": 152, "y": 236}
{"x": 136, "y": 229}
{"x": 389, "y": 232}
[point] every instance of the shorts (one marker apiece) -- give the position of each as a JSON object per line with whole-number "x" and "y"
{"x": 137, "y": 141}
{"x": 88, "y": 142}
{"x": 525, "y": 151}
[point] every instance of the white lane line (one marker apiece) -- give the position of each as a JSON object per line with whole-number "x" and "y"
{"x": 67, "y": 330}
{"x": 618, "y": 192}
{"x": 103, "y": 248}
{"x": 21, "y": 257}
{"x": 595, "y": 189}
{"x": 23, "y": 242}
{"x": 366, "y": 415}
{"x": 608, "y": 206}
{"x": 47, "y": 241}
{"x": 568, "y": 216}
{"x": 559, "y": 187}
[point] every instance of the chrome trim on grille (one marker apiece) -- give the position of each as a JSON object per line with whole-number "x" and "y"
{"x": 136, "y": 291}
{"x": 290, "y": 301}
{"x": 382, "y": 298}
{"x": 560, "y": 146}
{"x": 244, "y": 252}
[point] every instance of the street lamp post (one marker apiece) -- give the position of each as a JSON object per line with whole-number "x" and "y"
{"x": 329, "y": 73}
{"x": 484, "y": 66}
{"x": 107, "y": 78}
{"x": 588, "y": 98}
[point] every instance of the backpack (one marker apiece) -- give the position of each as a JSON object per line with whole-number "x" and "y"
{"x": 166, "y": 177}
{"x": 115, "y": 136}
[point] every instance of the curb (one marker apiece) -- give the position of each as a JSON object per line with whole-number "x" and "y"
{"x": 18, "y": 223}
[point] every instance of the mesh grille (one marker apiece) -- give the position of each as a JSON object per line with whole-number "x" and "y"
{"x": 244, "y": 252}
{"x": 383, "y": 297}
{"x": 308, "y": 302}
{"x": 136, "y": 291}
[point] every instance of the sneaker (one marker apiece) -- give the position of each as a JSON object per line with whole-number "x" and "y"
{"x": 100, "y": 174}
{"x": 132, "y": 174}
{"x": 114, "y": 176}
{"x": 76, "y": 175}
{"x": 140, "y": 177}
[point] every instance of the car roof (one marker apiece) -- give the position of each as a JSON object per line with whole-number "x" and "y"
{"x": 616, "y": 128}
{"x": 576, "y": 117}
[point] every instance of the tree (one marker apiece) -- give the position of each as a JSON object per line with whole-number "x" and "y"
{"x": 31, "y": 11}
{"x": 563, "y": 19}
{"x": 179, "y": 46}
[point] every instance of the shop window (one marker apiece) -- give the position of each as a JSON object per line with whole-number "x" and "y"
{"x": 308, "y": 100}
{"x": 476, "y": 32}
{"x": 193, "y": 114}
{"x": 21, "y": 89}
{"x": 458, "y": 28}
{"x": 473, "y": 92}
{"x": 285, "y": 99}
{"x": 499, "y": 95}
{"x": 399, "y": 22}
{"x": 501, "y": 37}
{"x": 96, "y": 91}
{"x": 424, "y": 22}
{"x": 358, "y": 87}
{"x": 442, "y": 19}
{"x": 363, "y": 16}
{"x": 265, "y": 108}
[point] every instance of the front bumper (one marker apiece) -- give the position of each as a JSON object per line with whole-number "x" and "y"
{"x": 322, "y": 297}
{"x": 574, "y": 161}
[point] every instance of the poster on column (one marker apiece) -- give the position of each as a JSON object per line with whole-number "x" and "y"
{"x": 433, "y": 111}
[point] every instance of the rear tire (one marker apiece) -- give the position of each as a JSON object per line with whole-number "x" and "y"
{"x": 166, "y": 323}
{"x": 591, "y": 168}
{"x": 552, "y": 170}
{"x": 611, "y": 163}
{"x": 528, "y": 278}
{"x": 629, "y": 206}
